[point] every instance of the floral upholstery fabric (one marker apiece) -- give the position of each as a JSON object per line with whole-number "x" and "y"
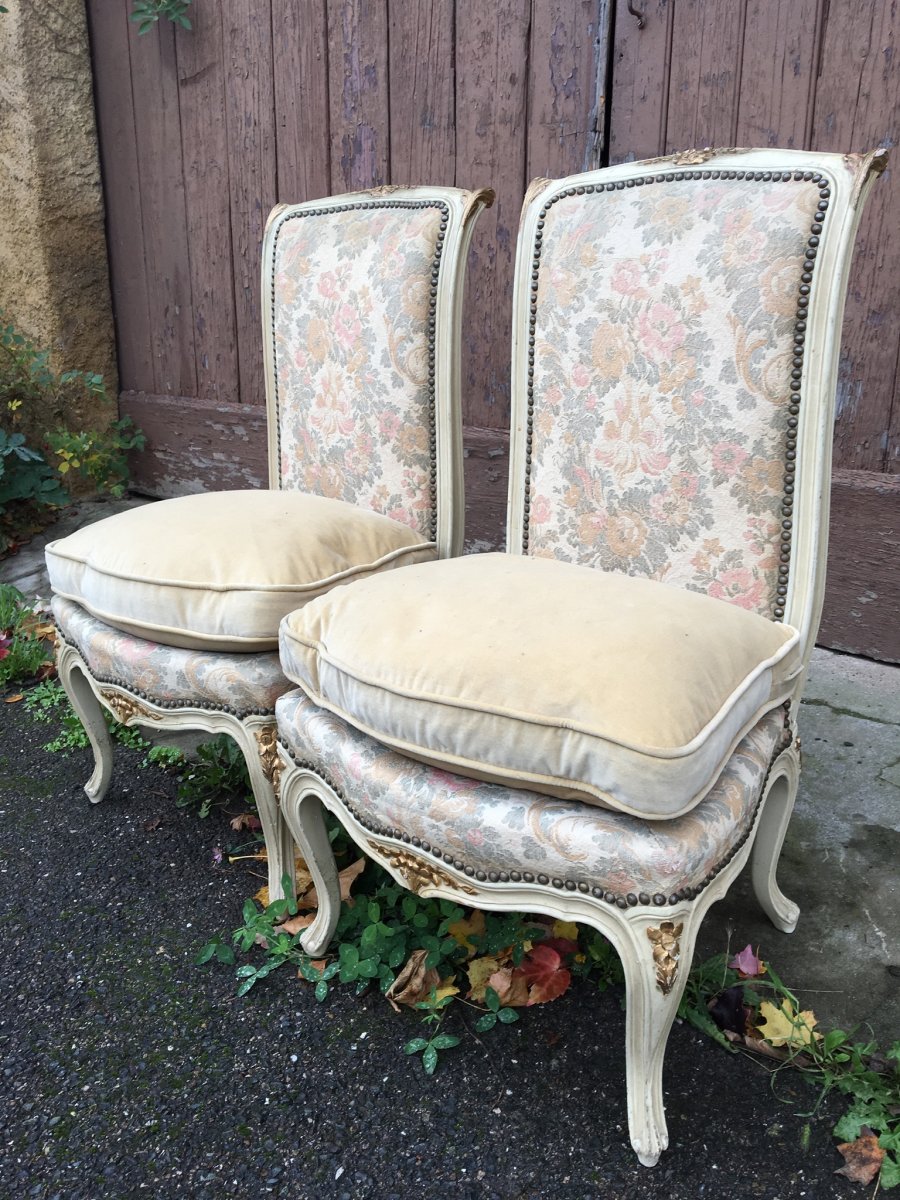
{"x": 491, "y": 827}
{"x": 242, "y": 683}
{"x": 662, "y": 379}
{"x": 352, "y": 289}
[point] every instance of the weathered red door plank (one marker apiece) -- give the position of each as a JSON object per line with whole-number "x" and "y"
{"x": 862, "y": 591}
{"x": 491, "y": 103}
{"x": 707, "y": 47}
{"x": 250, "y": 110}
{"x": 300, "y": 46}
{"x": 201, "y": 87}
{"x": 358, "y": 85}
{"x": 164, "y": 219}
{"x": 857, "y": 107}
{"x": 196, "y": 445}
{"x": 422, "y": 100}
{"x": 567, "y": 86}
{"x": 778, "y": 74}
{"x": 122, "y": 192}
{"x": 639, "y": 88}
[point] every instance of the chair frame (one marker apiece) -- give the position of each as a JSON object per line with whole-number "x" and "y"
{"x": 654, "y": 940}
{"x": 255, "y": 732}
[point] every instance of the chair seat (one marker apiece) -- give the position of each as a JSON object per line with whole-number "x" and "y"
{"x": 492, "y": 831}
{"x": 242, "y": 684}
{"x": 217, "y": 571}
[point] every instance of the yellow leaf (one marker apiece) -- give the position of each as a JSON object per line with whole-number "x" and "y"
{"x": 262, "y": 896}
{"x": 479, "y": 971}
{"x": 14, "y": 699}
{"x": 462, "y": 930}
{"x": 446, "y": 989}
{"x": 784, "y": 1027}
{"x": 566, "y": 929}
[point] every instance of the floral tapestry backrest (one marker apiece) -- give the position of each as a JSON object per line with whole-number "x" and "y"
{"x": 353, "y": 332}
{"x": 668, "y": 317}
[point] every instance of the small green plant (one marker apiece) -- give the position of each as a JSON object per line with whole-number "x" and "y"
{"x": 147, "y": 12}
{"x": 218, "y": 775}
{"x": 98, "y": 457}
{"x": 47, "y": 702}
{"x": 23, "y": 654}
{"x": 40, "y": 443}
{"x": 431, "y": 1046}
{"x": 495, "y": 1013}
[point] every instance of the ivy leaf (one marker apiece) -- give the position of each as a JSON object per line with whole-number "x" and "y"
{"x": 546, "y": 976}
{"x": 444, "y": 1041}
{"x": 863, "y": 1158}
{"x": 890, "y": 1174}
{"x": 429, "y": 1059}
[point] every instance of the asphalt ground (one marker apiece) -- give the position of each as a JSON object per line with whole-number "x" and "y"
{"x": 128, "y": 1071}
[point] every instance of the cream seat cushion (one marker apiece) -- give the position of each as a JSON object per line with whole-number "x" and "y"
{"x": 219, "y": 570}
{"x": 615, "y": 690}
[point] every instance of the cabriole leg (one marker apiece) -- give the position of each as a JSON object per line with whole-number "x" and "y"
{"x": 656, "y": 960}
{"x": 305, "y": 817}
{"x": 78, "y": 687}
{"x": 260, "y": 749}
{"x": 773, "y": 823}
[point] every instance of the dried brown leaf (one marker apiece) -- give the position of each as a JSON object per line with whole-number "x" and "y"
{"x": 511, "y": 987}
{"x": 245, "y": 821}
{"x": 414, "y": 983}
{"x": 295, "y": 924}
{"x": 863, "y": 1158}
{"x": 346, "y": 879}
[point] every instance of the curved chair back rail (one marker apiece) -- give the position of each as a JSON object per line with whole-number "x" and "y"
{"x": 676, "y": 332}
{"x": 362, "y": 299}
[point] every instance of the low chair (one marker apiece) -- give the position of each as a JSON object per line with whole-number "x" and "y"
{"x": 168, "y": 614}
{"x": 601, "y": 724}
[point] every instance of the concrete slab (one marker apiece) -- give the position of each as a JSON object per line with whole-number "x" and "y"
{"x": 841, "y": 855}
{"x": 27, "y": 570}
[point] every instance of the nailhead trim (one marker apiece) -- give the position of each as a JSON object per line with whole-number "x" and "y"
{"x": 444, "y": 210}
{"x": 207, "y": 706}
{"x": 796, "y": 376}
{"x": 626, "y": 900}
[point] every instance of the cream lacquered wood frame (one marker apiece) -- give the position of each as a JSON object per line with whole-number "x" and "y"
{"x": 254, "y": 731}
{"x": 654, "y": 935}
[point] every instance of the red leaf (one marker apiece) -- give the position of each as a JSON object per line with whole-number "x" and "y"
{"x": 547, "y": 977}
{"x": 562, "y": 946}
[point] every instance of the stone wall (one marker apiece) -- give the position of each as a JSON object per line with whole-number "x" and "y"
{"x": 54, "y": 280}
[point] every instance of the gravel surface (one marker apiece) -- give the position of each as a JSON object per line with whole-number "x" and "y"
{"x": 129, "y": 1071}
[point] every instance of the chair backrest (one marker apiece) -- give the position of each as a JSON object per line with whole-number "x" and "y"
{"x": 361, "y": 310}
{"x": 676, "y": 333}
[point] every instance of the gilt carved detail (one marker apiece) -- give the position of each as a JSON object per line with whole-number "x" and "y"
{"x": 419, "y": 873}
{"x": 126, "y": 708}
{"x": 666, "y": 953}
